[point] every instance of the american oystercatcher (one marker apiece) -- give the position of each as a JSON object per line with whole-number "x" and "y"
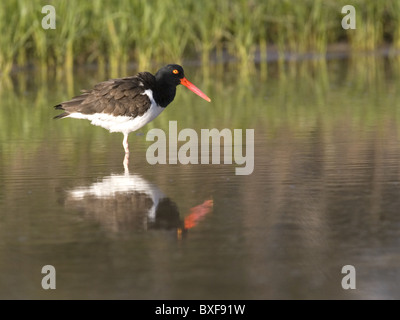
{"x": 127, "y": 104}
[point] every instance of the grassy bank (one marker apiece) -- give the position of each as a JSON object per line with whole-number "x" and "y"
{"x": 117, "y": 33}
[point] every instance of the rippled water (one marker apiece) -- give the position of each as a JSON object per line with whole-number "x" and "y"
{"x": 324, "y": 192}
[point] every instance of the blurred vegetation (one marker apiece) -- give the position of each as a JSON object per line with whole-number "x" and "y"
{"x": 143, "y": 32}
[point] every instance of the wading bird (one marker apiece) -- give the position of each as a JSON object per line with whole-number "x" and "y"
{"x": 127, "y": 104}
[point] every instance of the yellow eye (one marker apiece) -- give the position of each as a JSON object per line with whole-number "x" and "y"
{"x": 175, "y": 71}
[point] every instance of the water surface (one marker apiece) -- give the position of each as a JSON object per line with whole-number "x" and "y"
{"x": 324, "y": 192}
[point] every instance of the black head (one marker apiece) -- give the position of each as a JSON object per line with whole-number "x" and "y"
{"x": 171, "y": 74}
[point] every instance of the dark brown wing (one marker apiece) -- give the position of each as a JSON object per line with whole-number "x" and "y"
{"x": 119, "y": 97}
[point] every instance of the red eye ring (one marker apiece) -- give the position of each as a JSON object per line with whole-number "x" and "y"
{"x": 175, "y": 71}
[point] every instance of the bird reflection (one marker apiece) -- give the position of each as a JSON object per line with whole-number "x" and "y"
{"x": 127, "y": 202}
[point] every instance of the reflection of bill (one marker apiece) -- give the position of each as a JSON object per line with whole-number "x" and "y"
{"x": 195, "y": 216}
{"x": 127, "y": 202}
{"x": 198, "y": 213}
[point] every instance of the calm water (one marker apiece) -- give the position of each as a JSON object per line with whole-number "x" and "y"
{"x": 324, "y": 192}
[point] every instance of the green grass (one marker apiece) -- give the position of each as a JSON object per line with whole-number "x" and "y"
{"x": 117, "y": 33}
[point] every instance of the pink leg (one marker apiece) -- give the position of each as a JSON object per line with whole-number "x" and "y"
{"x": 126, "y": 163}
{"x": 125, "y": 143}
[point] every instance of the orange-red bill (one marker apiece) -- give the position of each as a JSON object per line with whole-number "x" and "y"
{"x": 193, "y": 88}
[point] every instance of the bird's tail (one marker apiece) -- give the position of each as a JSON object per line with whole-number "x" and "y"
{"x": 62, "y": 115}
